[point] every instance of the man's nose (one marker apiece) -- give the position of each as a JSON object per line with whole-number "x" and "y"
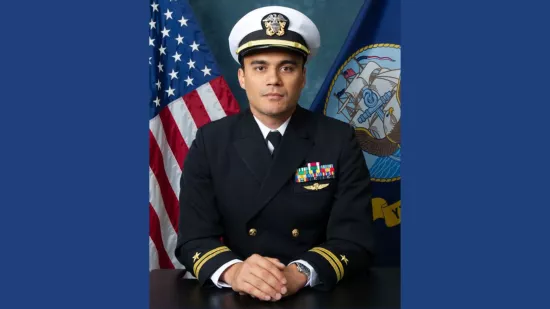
{"x": 273, "y": 78}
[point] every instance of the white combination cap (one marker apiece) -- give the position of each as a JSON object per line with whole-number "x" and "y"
{"x": 274, "y": 26}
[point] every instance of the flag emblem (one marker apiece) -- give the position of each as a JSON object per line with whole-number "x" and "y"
{"x": 365, "y": 94}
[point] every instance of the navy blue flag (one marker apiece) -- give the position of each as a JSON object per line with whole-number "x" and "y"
{"x": 363, "y": 88}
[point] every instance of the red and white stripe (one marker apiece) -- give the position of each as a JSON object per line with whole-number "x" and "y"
{"x": 171, "y": 133}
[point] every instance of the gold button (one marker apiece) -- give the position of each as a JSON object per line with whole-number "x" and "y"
{"x": 252, "y": 232}
{"x": 295, "y": 232}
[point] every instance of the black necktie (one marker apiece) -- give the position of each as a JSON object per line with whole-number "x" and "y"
{"x": 275, "y": 138}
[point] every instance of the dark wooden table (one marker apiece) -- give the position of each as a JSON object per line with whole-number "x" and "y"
{"x": 380, "y": 288}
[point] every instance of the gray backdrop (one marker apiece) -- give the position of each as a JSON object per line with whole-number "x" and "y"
{"x": 332, "y": 17}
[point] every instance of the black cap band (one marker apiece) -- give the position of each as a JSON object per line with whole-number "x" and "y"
{"x": 258, "y": 40}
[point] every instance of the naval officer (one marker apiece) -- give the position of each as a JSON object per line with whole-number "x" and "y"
{"x": 276, "y": 198}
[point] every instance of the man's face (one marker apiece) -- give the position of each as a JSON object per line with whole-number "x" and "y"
{"x": 273, "y": 81}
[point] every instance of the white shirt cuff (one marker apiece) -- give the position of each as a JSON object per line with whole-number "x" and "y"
{"x": 216, "y": 276}
{"x": 313, "y": 278}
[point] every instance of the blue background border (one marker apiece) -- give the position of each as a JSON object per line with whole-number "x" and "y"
{"x": 75, "y": 146}
{"x": 74, "y": 223}
{"x": 474, "y": 76}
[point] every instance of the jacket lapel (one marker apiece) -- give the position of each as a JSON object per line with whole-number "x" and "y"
{"x": 294, "y": 147}
{"x": 251, "y": 147}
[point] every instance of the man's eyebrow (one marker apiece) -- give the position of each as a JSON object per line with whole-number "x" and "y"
{"x": 293, "y": 62}
{"x": 283, "y": 62}
{"x": 258, "y": 62}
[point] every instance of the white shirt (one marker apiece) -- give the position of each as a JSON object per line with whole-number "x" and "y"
{"x": 313, "y": 278}
{"x": 265, "y": 131}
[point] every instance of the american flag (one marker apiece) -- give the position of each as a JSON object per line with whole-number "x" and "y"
{"x": 187, "y": 91}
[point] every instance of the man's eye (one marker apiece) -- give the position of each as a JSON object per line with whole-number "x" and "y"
{"x": 259, "y": 68}
{"x": 288, "y": 69}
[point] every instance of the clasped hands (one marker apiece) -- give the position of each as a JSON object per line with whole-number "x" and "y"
{"x": 264, "y": 278}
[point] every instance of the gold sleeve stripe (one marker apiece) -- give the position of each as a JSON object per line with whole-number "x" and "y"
{"x": 206, "y": 256}
{"x": 209, "y": 252}
{"x": 340, "y": 266}
{"x": 336, "y": 270}
{"x": 198, "y": 267}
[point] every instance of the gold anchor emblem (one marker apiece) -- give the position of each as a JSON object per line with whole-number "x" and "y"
{"x": 275, "y": 24}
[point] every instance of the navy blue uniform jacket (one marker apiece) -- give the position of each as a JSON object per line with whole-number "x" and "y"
{"x": 237, "y": 200}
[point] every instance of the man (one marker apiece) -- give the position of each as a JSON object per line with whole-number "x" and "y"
{"x": 276, "y": 198}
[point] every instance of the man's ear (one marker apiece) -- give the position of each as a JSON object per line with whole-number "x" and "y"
{"x": 240, "y": 75}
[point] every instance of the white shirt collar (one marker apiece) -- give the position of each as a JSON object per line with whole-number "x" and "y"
{"x": 265, "y": 130}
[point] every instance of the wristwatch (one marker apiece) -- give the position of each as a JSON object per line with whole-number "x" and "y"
{"x": 304, "y": 270}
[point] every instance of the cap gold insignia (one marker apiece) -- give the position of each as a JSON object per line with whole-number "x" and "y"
{"x": 275, "y": 24}
{"x": 316, "y": 186}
